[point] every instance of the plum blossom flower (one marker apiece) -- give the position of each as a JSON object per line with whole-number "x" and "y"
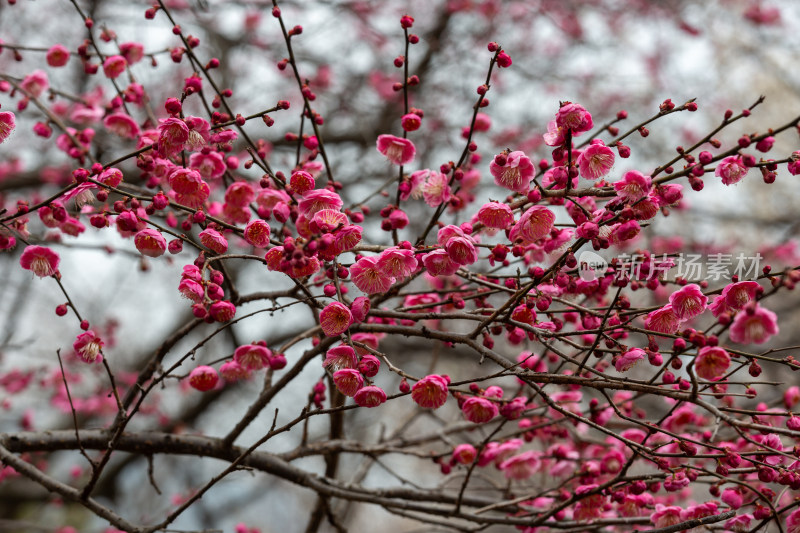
{"x": 173, "y": 134}
{"x": 464, "y": 454}
{"x": 439, "y": 263}
{"x": 521, "y": 466}
{"x": 369, "y": 277}
{"x": 633, "y": 186}
{"x": 113, "y": 66}
{"x": 370, "y": 396}
{"x": 150, "y": 242}
{"x": 397, "y": 150}
{"x": 662, "y": 320}
{"x": 436, "y": 189}
{"x": 210, "y": 165}
{"x": 734, "y": 297}
{"x": 348, "y": 381}
{"x": 256, "y": 233}
{"x": 515, "y": 174}
{"x": 534, "y": 224}
{"x": 57, "y": 55}
{"x": 35, "y": 83}
{"x": 222, "y": 311}
{"x": 479, "y": 410}
{"x": 132, "y": 52}
{"x": 317, "y": 200}
{"x": 335, "y": 318}
{"x": 7, "y": 124}
{"x": 431, "y": 391}
{"x": 596, "y": 160}
{"x": 712, "y": 362}
{"x": 190, "y": 189}
{"x": 122, "y": 125}
{"x": 398, "y": 263}
{"x": 213, "y": 240}
{"x": 666, "y": 516}
{"x": 88, "y": 345}
{"x": 338, "y": 357}
{"x": 233, "y": 371}
{"x": 252, "y": 356}
{"x": 369, "y": 365}
{"x": 688, "y": 302}
{"x": 40, "y": 260}
{"x": 754, "y": 325}
{"x": 203, "y": 378}
{"x": 793, "y": 522}
{"x": 495, "y": 215}
{"x": 574, "y": 117}
{"x": 731, "y": 170}
{"x": 627, "y": 360}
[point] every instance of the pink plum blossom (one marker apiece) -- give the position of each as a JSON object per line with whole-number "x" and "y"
{"x": 495, "y": 215}
{"x": 40, "y": 260}
{"x": 122, "y": 125}
{"x": 113, "y": 66}
{"x": 754, "y": 325}
{"x": 339, "y": 357}
{"x": 173, "y": 136}
{"x": 132, "y": 52}
{"x": 515, "y": 173}
{"x": 252, "y": 356}
{"x": 213, "y": 240}
{"x": 88, "y": 345}
{"x": 203, "y": 378}
{"x": 317, "y": 200}
{"x": 335, "y": 318}
{"x": 521, "y": 466}
{"x": 479, "y": 410}
{"x": 150, "y": 242}
{"x": 731, "y": 170}
{"x": 596, "y": 160}
{"x": 190, "y": 189}
{"x": 348, "y": 381}
{"x": 439, "y": 263}
{"x": 575, "y": 118}
{"x": 398, "y": 263}
{"x": 210, "y": 165}
{"x": 7, "y": 124}
{"x": 627, "y": 360}
{"x": 464, "y": 454}
{"x": 256, "y": 233}
{"x": 688, "y": 302}
{"x": 369, "y": 277}
{"x": 57, "y": 55}
{"x": 397, "y": 150}
{"x": 633, "y": 186}
{"x": 712, "y": 362}
{"x": 35, "y": 83}
{"x": 370, "y": 396}
{"x": 431, "y": 391}
{"x": 436, "y": 189}
{"x": 534, "y": 224}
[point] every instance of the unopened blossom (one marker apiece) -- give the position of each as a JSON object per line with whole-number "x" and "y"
{"x": 40, "y": 260}
{"x": 627, "y": 360}
{"x": 360, "y": 308}
{"x": 633, "y": 186}
{"x": 150, "y": 242}
{"x": 791, "y": 396}
{"x": 431, "y": 391}
{"x": 113, "y": 66}
{"x": 397, "y": 150}
{"x": 317, "y": 200}
{"x": 464, "y": 454}
{"x": 436, "y": 189}
{"x": 479, "y": 410}
{"x": 88, "y": 345}
{"x": 398, "y": 263}
{"x": 203, "y": 378}
{"x": 35, "y": 83}
{"x": 676, "y": 482}
{"x": 688, "y": 302}
{"x": 348, "y": 381}
{"x": 596, "y": 160}
{"x": 335, "y": 318}
{"x": 339, "y": 357}
{"x": 369, "y": 365}
{"x": 411, "y": 122}
{"x": 252, "y": 356}
{"x": 534, "y": 224}
{"x": 213, "y": 240}
{"x": 7, "y": 124}
{"x": 496, "y": 215}
{"x": 57, "y": 55}
{"x": 369, "y": 277}
{"x": 712, "y": 362}
{"x": 515, "y": 173}
{"x": 370, "y": 396}
{"x": 521, "y": 466}
{"x": 731, "y": 170}
{"x": 754, "y": 326}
